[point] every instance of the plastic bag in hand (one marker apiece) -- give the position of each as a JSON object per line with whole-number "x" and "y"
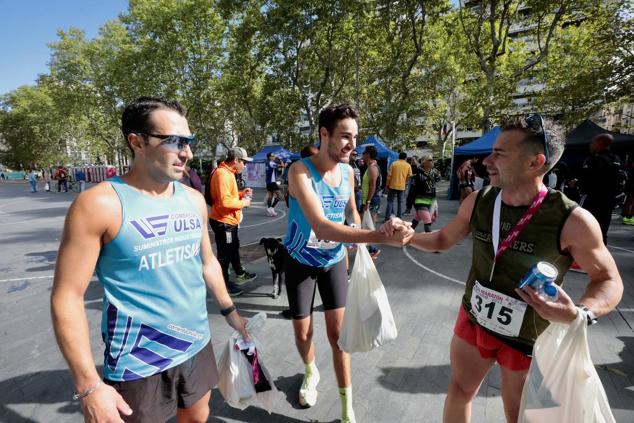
{"x": 368, "y": 321}
{"x": 562, "y": 384}
{"x": 366, "y": 222}
{"x": 236, "y": 373}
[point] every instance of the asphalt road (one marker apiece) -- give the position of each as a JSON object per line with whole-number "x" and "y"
{"x": 405, "y": 380}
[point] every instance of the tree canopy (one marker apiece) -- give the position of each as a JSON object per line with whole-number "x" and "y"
{"x": 250, "y": 70}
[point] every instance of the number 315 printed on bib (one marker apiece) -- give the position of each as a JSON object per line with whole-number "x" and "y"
{"x": 497, "y": 312}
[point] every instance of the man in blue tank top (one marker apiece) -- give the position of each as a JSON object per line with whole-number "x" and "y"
{"x": 321, "y": 197}
{"x": 146, "y": 236}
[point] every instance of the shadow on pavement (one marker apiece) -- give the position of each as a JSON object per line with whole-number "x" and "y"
{"x": 30, "y": 235}
{"x": 45, "y": 387}
{"x": 46, "y": 258}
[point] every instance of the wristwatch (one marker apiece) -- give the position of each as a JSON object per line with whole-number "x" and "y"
{"x": 592, "y": 319}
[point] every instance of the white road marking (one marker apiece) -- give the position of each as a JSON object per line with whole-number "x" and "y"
{"x": 620, "y": 248}
{"x": 26, "y": 279}
{"x": 449, "y": 278}
{"x": 267, "y": 222}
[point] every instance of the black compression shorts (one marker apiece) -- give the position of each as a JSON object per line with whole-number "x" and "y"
{"x": 301, "y": 281}
{"x": 272, "y": 187}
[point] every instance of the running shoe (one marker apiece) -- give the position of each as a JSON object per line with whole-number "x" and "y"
{"x": 273, "y": 212}
{"x": 308, "y": 391}
{"x": 574, "y": 267}
{"x": 628, "y": 220}
{"x": 245, "y": 277}
{"x": 269, "y": 211}
{"x": 234, "y": 291}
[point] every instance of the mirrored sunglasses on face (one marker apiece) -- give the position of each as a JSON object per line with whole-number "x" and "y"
{"x": 175, "y": 142}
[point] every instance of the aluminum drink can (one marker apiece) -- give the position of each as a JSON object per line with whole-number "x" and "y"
{"x": 540, "y": 274}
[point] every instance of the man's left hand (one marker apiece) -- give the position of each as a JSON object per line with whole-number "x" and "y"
{"x": 248, "y": 191}
{"x": 563, "y": 310}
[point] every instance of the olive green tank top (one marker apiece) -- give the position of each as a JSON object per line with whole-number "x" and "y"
{"x": 539, "y": 241}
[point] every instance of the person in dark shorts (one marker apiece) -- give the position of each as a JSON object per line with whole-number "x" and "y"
{"x": 497, "y": 322}
{"x": 321, "y": 197}
{"x": 158, "y": 358}
{"x": 273, "y": 193}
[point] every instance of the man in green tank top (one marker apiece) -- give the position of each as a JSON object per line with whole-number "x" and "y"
{"x": 497, "y": 321}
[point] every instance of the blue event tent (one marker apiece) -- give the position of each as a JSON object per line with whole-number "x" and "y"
{"x": 479, "y": 147}
{"x": 382, "y": 150}
{"x": 279, "y": 151}
{"x": 483, "y": 145}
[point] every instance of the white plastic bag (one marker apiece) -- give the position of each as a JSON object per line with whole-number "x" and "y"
{"x": 368, "y": 321}
{"x": 235, "y": 381}
{"x": 562, "y": 384}
{"x": 366, "y": 222}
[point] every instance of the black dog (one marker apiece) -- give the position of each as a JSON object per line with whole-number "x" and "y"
{"x": 275, "y": 255}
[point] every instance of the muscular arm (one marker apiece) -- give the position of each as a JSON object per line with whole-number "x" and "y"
{"x": 581, "y": 236}
{"x": 94, "y": 217}
{"x": 453, "y": 232}
{"x": 85, "y": 225}
{"x": 300, "y": 188}
{"x": 373, "y": 173}
{"x": 352, "y": 215}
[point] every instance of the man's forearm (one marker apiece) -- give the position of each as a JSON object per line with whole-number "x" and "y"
{"x": 212, "y": 273}
{"x": 73, "y": 337}
{"x": 602, "y": 297}
{"x": 428, "y": 241}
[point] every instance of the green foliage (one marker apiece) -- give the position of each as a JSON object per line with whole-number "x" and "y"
{"x": 252, "y": 69}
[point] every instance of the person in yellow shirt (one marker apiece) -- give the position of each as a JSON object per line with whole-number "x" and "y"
{"x": 397, "y": 177}
{"x": 226, "y": 215}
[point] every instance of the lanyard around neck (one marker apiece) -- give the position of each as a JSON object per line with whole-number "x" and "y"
{"x": 519, "y": 226}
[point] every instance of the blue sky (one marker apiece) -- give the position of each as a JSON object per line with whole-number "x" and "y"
{"x": 27, "y": 26}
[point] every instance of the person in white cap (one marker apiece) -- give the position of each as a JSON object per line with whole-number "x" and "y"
{"x": 226, "y": 215}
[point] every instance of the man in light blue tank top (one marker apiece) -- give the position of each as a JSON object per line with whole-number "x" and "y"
{"x": 321, "y": 197}
{"x": 146, "y": 236}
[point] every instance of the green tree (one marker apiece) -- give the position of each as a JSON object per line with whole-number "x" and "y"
{"x": 32, "y": 128}
{"x": 577, "y": 72}
{"x": 502, "y": 61}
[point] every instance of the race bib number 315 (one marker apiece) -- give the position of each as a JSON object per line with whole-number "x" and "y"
{"x": 497, "y": 312}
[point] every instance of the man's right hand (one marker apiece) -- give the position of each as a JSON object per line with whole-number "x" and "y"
{"x": 398, "y": 233}
{"x": 104, "y": 405}
{"x": 246, "y": 202}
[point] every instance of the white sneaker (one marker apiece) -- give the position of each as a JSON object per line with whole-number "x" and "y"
{"x": 273, "y": 211}
{"x": 308, "y": 391}
{"x": 268, "y": 212}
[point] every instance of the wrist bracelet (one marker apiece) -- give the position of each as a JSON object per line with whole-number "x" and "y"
{"x": 227, "y": 311}
{"x": 84, "y": 394}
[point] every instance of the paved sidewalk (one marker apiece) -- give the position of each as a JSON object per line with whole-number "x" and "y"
{"x": 403, "y": 381}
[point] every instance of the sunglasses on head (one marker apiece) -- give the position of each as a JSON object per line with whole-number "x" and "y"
{"x": 536, "y": 123}
{"x": 175, "y": 141}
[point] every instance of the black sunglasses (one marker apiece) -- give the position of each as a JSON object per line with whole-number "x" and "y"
{"x": 536, "y": 123}
{"x": 175, "y": 140}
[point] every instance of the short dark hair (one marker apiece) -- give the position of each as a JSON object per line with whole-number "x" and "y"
{"x": 136, "y": 115}
{"x": 534, "y": 138}
{"x": 309, "y": 150}
{"x": 268, "y": 155}
{"x": 402, "y": 155}
{"x": 330, "y": 116}
{"x": 371, "y": 150}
